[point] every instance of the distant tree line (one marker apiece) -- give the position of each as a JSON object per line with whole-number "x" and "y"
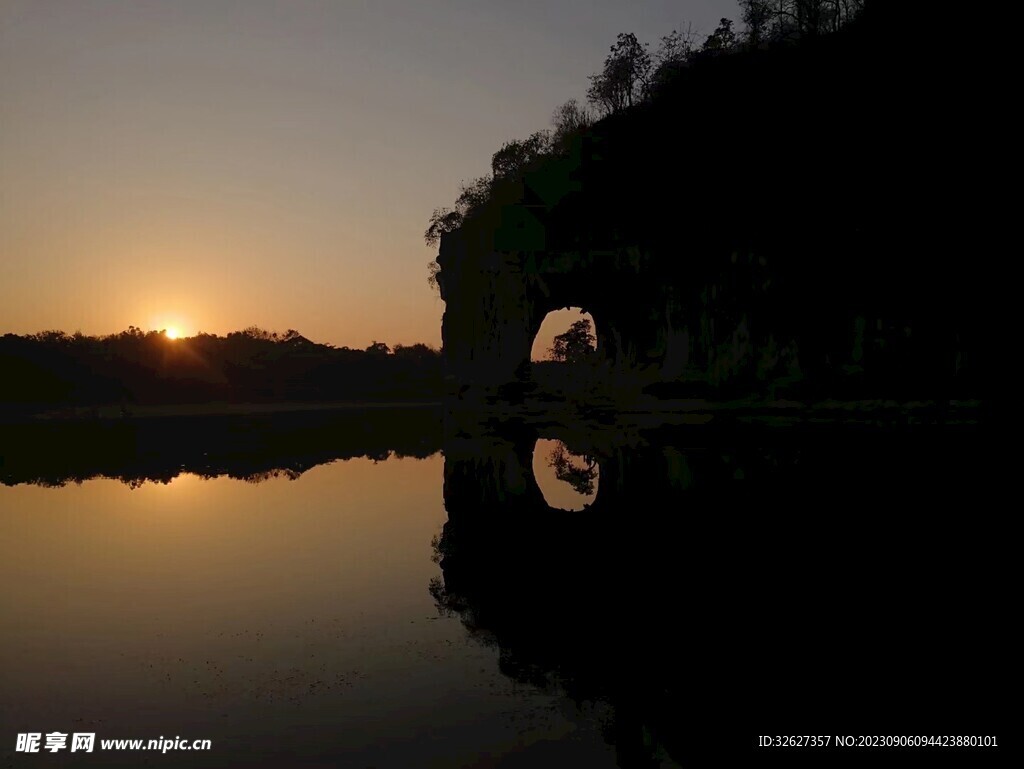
{"x": 631, "y": 75}
{"x": 53, "y": 368}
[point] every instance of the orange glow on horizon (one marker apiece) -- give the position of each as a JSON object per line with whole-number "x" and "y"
{"x": 172, "y": 325}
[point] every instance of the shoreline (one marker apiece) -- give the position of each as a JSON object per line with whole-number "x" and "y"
{"x": 113, "y": 412}
{"x": 700, "y": 410}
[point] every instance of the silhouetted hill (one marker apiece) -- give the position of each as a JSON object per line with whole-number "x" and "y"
{"x": 802, "y": 217}
{"x": 53, "y": 369}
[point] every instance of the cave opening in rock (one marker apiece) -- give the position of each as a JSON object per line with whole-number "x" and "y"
{"x": 564, "y": 357}
{"x": 561, "y": 338}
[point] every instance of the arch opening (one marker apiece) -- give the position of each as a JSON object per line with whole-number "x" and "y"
{"x": 565, "y": 356}
{"x": 567, "y": 479}
{"x": 560, "y": 338}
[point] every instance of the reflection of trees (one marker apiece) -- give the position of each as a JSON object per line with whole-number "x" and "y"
{"x": 249, "y": 447}
{"x": 578, "y": 474}
{"x": 266, "y": 475}
{"x": 579, "y": 604}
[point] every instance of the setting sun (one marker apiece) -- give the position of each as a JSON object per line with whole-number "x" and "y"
{"x": 172, "y": 333}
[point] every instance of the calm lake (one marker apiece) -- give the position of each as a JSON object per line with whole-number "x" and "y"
{"x": 608, "y": 596}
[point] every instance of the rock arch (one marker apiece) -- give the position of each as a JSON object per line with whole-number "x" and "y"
{"x": 496, "y": 302}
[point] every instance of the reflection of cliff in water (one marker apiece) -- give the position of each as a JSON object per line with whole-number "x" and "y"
{"x": 252, "y": 447}
{"x": 712, "y": 593}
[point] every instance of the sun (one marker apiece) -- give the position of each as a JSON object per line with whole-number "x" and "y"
{"x": 171, "y": 327}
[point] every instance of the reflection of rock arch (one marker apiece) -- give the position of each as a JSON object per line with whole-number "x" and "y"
{"x": 496, "y": 471}
{"x": 706, "y": 575}
{"x": 492, "y": 472}
{"x": 567, "y": 479}
{"x": 549, "y": 585}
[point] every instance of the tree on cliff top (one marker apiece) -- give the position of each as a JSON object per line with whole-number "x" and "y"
{"x": 472, "y": 195}
{"x": 722, "y": 40}
{"x": 623, "y": 80}
{"x": 631, "y": 75}
{"x": 569, "y": 120}
{"x": 805, "y": 18}
{"x": 757, "y": 18}
{"x": 517, "y": 156}
{"x": 441, "y": 221}
{"x": 673, "y": 55}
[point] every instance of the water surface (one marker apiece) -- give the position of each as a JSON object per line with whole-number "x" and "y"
{"x": 398, "y": 589}
{"x": 283, "y": 620}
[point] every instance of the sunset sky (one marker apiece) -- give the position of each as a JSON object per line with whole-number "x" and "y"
{"x": 212, "y": 165}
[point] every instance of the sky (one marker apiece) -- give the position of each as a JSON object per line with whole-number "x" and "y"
{"x": 206, "y": 165}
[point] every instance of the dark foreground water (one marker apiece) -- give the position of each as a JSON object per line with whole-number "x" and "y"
{"x": 388, "y": 591}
